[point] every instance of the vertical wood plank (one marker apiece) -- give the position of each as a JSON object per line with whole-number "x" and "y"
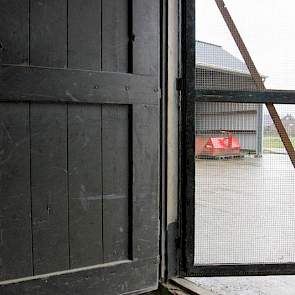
{"x": 14, "y": 24}
{"x": 115, "y": 151}
{"x": 84, "y": 34}
{"x": 85, "y": 185}
{"x": 15, "y": 198}
{"x": 145, "y": 181}
{"x": 48, "y": 33}
{"x": 115, "y": 35}
{"x": 49, "y": 187}
{"x": 146, "y": 37}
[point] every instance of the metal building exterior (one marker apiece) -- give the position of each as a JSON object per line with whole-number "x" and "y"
{"x": 218, "y": 69}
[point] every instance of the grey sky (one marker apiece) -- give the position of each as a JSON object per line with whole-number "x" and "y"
{"x": 268, "y": 29}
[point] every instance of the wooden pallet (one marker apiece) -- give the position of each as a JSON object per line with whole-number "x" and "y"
{"x": 221, "y": 157}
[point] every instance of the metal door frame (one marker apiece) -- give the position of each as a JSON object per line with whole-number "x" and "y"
{"x": 187, "y": 173}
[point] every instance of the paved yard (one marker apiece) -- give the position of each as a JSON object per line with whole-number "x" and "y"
{"x": 245, "y": 210}
{"x": 245, "y": 213}
{"x": 272, "y": 285}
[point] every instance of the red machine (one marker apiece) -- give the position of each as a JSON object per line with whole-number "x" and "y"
{"x": 217, "y": 146}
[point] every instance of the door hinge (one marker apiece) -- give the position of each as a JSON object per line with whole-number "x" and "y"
{"x": 179, "y": 84}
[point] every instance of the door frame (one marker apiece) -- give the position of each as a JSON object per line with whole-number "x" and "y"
{"x": 191, "y": 95}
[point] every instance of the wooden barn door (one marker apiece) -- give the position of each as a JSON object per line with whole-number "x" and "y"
{"x": 79, "y": 114}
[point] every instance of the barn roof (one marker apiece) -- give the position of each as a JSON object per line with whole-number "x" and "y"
{"x": 214, "y": 56}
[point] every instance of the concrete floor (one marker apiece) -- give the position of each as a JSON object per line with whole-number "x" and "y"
{"x": 245, "y": 210}
{"x": 271, "y": 285}
{"x": 245, "y": 213}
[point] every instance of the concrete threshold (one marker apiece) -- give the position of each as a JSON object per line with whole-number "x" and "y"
{"x": 254, "y": 285}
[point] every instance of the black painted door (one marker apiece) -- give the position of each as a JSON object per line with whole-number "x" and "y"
{"x": 79, "y": 113}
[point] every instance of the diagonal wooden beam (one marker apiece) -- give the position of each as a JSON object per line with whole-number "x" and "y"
{"x": 257, "y": 78}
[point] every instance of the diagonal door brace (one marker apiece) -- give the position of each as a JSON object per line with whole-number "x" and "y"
{"x": 257, "y": 78}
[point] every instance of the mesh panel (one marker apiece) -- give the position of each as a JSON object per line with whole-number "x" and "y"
{"x": 216, "y": 68}
{"x": 221, "y": 80}
{"x": 267, "y": 28}
{"x": 245, "y": 181}
{"x": 245, "y": 185}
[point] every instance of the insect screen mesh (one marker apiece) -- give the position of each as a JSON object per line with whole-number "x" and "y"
{"x": 245, "y": 181}
{"x": 267, "y": 28}
{"x": 245, "y": 186}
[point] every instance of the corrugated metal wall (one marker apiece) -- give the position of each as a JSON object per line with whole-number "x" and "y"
{"x": 243, "y": 120}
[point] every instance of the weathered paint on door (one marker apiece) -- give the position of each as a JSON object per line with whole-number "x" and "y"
{"x": 79, "y": 112}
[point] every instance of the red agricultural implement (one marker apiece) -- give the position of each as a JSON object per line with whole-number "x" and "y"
{"x": 217, "y": 146}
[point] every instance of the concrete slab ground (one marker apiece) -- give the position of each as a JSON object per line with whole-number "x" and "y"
{"x": 245, "y": 213}
{"x": 272, "y": 285}
{"x": 245, "y": 210}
